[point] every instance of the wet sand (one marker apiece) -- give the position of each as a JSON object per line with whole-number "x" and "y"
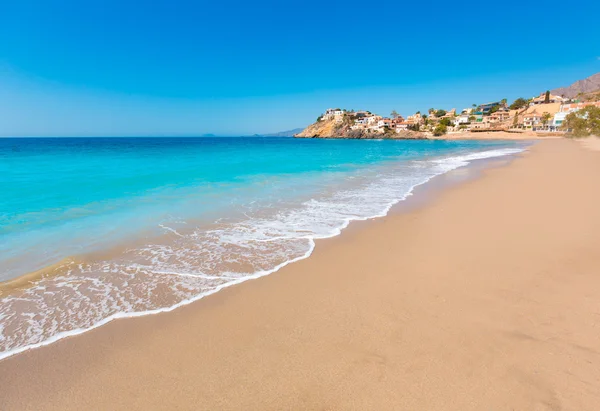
{"x": 485, "y": 297}
{"x": 499, "y": 135}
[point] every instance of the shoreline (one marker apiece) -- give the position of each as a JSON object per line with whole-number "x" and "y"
{"x": 417, "y": 196}
{"x": 454, "y": 136}
{"x": 371, "y": 320}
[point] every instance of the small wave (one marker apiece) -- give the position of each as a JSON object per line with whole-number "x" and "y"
{"x": 193, "y": 263}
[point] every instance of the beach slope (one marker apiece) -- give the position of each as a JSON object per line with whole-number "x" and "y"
{"x": 485, "y": 298}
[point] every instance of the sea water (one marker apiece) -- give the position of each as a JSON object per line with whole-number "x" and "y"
{"x": 124, "y": 227}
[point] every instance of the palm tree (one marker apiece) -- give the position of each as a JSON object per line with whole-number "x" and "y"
{"x": 545, "y": 118}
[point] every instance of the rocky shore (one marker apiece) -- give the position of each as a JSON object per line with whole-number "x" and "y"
{"x": 336, "y": 129}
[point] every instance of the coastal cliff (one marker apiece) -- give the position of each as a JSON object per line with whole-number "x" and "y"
{"x": 341, "y": 128}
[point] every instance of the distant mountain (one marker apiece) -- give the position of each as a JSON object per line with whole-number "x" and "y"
{"x": 288, "y": 133}
{"x": 588, "y": 85}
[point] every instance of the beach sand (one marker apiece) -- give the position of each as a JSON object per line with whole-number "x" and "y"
{"x": 498, "y": 135}
{"x": 487, "y": 297}
{"x": 591, "y": 143}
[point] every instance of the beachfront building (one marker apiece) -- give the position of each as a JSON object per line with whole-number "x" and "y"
{"x": 499, "y": 116}
{"x": 481, "y": 125}
{"x": 558, "y": 120}
{"x": 565, "y": 109}
{"x": 531, "y": 120}
{"x": 462, "y": 119}
{"x": 403, "y": 126}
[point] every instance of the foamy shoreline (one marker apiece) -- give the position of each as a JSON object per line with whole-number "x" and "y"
{"x": 483, "y": 298}
{"x": 458, "y": 162}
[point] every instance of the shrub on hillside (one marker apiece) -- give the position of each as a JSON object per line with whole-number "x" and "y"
{"x": 440, "y": 130}
{"x": 518, "y": 104}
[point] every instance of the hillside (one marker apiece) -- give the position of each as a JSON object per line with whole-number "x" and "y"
{"x": 585, "y": 86}
{"x": 333, "y": 129}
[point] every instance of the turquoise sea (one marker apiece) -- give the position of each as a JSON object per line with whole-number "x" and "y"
{"x": 133, "y": 226}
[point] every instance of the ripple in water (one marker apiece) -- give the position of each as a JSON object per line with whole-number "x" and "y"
{"x": 186, "y": 263}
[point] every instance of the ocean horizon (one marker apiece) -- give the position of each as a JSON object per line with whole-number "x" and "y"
{"x": 129, "y": 226}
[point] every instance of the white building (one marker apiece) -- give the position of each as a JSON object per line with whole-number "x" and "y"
{"x": 559, "y": 119}
{"x": 333, "y": 113}
{"x": 462, "y": 119}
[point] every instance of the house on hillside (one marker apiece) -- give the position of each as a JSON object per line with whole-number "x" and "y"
{"x": 487, "y": 107}
{"x": 569, "y": 108}
{"x": 373, "y": 120}
{"x": 532, "y": 120}
{"x": 542, "y": 99}
{"x": 396, "y": 120}
{"x": 462, "y": 119}
{"x": 402, "y": 126}
{"x": 450, "y": 114}
{"x": 499, "y": 116}
{"x": 416, "y": 118}
{"x": 333, "y": 113}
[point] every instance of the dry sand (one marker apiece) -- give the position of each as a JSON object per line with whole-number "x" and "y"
{"x": 591, "y": 143}
{"x": 487, "y": 298}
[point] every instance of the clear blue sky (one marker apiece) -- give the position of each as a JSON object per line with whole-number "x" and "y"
{"x": 228, "y": 67}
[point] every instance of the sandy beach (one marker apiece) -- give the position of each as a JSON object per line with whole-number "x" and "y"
{"x": 484, "y": 297}
{"x": 498, "y": 135}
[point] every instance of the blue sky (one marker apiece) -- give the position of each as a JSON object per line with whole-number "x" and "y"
{"x": 110, "y": 67}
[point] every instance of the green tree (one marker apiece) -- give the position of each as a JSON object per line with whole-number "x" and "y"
{"x": 394, "y": 114}
{"x": 446, "y": 122}
{"x": 440, "y": 130}
{"x": 518, "y": 104}
{"x": 516, "y": 121}
{"x": 472, "y": 119}
{"x": 584, "y": 122}
{"x": 474, "y": 105}
{"x": 503, "y": 101}
{"x": 440, "y": 113}
{"x": 547, "y": 98}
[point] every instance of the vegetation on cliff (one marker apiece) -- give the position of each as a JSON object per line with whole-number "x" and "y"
{"x": 342, "y": 128}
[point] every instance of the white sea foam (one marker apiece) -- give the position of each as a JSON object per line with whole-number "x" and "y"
{"x": 193, "y": 263}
